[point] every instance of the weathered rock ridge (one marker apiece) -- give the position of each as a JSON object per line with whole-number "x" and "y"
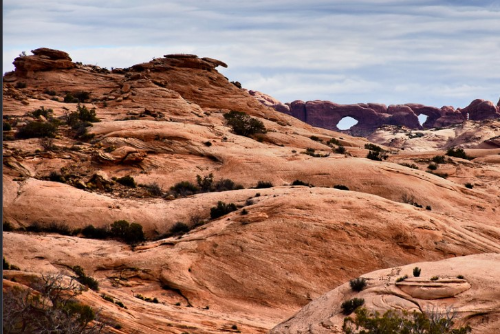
{"x": 370, "y": 116}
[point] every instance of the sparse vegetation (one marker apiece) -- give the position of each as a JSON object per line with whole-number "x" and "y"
{"x": 95, "y": 232}
{"x": 316, "y": 138}
{"x": 416, "y": 272}
{"x": 154, "y": 189}
{"x": 432, "y": 167}
{"x": 358, "y": 284}
{"x": 179, "y": 228}
{"x": 8, "y": 266}
{"x": 88, "y": 281}
{"x": 350, "y": 305}
{"x": 373, "y": 147}
{"x": 301, "y": 183}
{"x": 412, "y": 166}
{"x": 184, "y": 188}
{"x": 36, "y": 129}
{"x": 244, "y": 125}
{"x": 402, "y": 278}
{"x": 434, "y": 278}
{"x": 130, "y": 233}
{"x": 340, "y": 149}
{"x": 393, "y": 322}
{"x": 439, "y": 159}
{"x": 457, "y": 153}
{"x": 221, "y": 209}
{"x": 311, "y": 152}
{"x": 127, "y": 181}
{"x": 50, "y": 307}
{"x": 263, "y": 184}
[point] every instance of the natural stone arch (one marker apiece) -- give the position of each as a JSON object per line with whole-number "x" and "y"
{"x": 347, "y": 123}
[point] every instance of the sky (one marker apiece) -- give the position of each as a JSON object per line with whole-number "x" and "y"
{"x": 436, "y": 53}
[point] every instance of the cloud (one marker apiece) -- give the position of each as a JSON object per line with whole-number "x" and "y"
{"x": 356, "y": 51}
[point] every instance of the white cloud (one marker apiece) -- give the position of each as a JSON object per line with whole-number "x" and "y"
{"x": 434, "y": 52}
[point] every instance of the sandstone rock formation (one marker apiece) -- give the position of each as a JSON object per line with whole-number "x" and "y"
{"x": 462, "y": 297}
{"x": 370, "y": 116}
{"x": 161, "y": 123}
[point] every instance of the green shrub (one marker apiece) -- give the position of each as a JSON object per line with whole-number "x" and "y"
{"x": 374, "y": 155}
{"x": 340, "y": 149}
{"x": 184, "y": 188}
{"x": 350, "y": 305}
{"x": 334, "y": 142}
{"x": 393, "y": 322}
{"x": 88, "y": 281}
{"x": 37, "y": 130}
{"x": 7, "y": 227}
{"x": 316, "y": 138}
{"x": 263, "y": 184}
{"x": 221, "y": 209}
{"x": 358, "y": 284}
{"x": 69, "y": 98}
{"x": 432, "y": 167}
{"x": 340, "y": 187}
{"x": 439, "y": 159}
{"x": 47, "y": 113}
{"x": 95, "y": 233}
{"x": 127, "y": 181}
{"x": 179, "y": 228}
{"x": 402, "y": 278}
{"x": 301, "y": 183}
{"x": 120, "y": 228}
{"x": 373, "y": 147}
{"x": 457, "y": 153}
{"x": 244, "y": 125}
{"x": 416, "y": 271}
{"x": 154, "y": 189}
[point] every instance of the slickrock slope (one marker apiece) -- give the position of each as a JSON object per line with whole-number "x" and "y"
{"x": 464, "y": 296}
{"x": 162, "y": 122}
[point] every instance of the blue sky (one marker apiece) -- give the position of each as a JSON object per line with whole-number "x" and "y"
{"x": 431, "y": 52}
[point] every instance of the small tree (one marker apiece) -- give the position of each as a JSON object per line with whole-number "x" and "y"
{"x": 221, "y": 209}
{"x": 358, "y": 284}
{"x": 416, "y": 271}
{"x": 244, "y": 125}
{"x": 352, "y": 304}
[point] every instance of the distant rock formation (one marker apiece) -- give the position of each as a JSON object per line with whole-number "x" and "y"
{"x": 370, "y": 116}
{"x": 43, "y": 59}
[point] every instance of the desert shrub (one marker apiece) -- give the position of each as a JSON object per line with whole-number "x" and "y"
{"x": 20, "y": 84}
{"x": 48, "y": 144}
{"x": 208, "y": 143}
{"x": 393, "y": 322}
{"x": 69, "y": 98}
{"x": 432, "y": 167}
{"x": 60, "y": 228}
{"x": 334, "y": 141}
{"x": 350, "y": 305}
{"x": 340, "y": 149}
{"x": 107, "y": 298}
{"x": 56, "y": 177}
{"x": 184, "y": 188}
{"x": 316, "y": 138}
{"x": 179, "y": 228}
{"x": 236, "y": 83}
{"x": 457, "y": 153}
{"x": 301, "y": 183}
{"x": 47, "y": 113}
{"x": 374, "y": 155}
{"x": 95, "y": 233}
{"x": 37, "y": 130}
{"x": 130, "y": 233}
{"x": 82, "y": 116}
{"x": 358, "y": 284}
{"x": 416, "y": 271}
{"x": 263, "y": 184}
{"x": 205, "y": 183}
{"x": 49, "y": 308}
{"x": 402, "y": 278}
{"x": 412, "y": 166}
{"x": 49, "y": 92}
{"x": 6, "y": 126}
{"x": 226, "y": 185}
{"x": 120, "y": 228}
{"x": 439, "y": 159}
{"x": 244, "y": 125}
{"x": 340, "y": 187}
{"x": 7, "y": 227}
{"x": 127, "y": 181}
{"x": 6, "y": 265}
{"x": 119, "y": 303}
{"x": 88, "y": 281}
{"x": 154, "y": 189}
{"x": 221, "y": 209}
{"x": 244, "y": 212}
{"x": 460, "y": 277}
{"x": 434, "y": 278}
{"x": 428, "y": 208}
{"x": 469, "y": 185}
{"x": 373, "y": 147}
{"x": 82, "y": 96}
{"x": 443, "y": 175}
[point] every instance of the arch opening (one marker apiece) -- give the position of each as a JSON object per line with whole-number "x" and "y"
{"x": 346, "y": 123}
{"x": 422, "y": 119}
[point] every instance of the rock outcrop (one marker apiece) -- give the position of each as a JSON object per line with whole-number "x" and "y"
{"x": 370, "y": 116}
{"x": 43, "y": 59}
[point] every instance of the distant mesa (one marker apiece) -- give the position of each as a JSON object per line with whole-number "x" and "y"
{"x": 370, "y": 116}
